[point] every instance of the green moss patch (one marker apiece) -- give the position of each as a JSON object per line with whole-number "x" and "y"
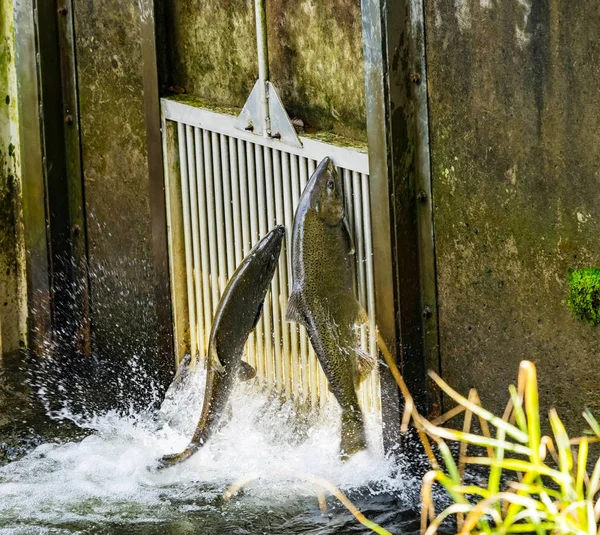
{"x": 584, "y": 299}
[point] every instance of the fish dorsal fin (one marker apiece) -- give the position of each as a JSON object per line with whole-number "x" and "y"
{"x": 246, "y": 372}
{"x": 294, "y": 309}
{"x": 366, "y": 363}
{"x": 346, "y": 224}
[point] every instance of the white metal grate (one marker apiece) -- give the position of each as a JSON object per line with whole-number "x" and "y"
{"x": 225, "y": 190}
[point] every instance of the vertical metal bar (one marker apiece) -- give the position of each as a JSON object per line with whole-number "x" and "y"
{"x": 203, "y": 217}
{"x": 236, "y": 203}
{"x": 198, "y": 327}
{"x": 177, "y": 250}
{"x": 210, "y": 210}
{"x": 426, "y": 239}
{"x": 358, "y": 226}
{"x": 263, "y": 62}
{"x": 227, "y": 206}
{"x": 244, "y": 198}
{"x": 296, "y": 169}
{"x": 290, "y": 336}
{"x": 157, "y": 192}
{"x": 74, "y": 176}
{"x": 393, "y": 133}
{"x": 253, "y": 177}
{"x": 280, "y": 298}
{"x": 246, "y": 242}
{"x": 369, "y": 283}
{"x": 262, "y": 225}
{"x": 274, "y": 336}
{"x": 220, "y": 223}
{"x": 34, "y": 213}
{"x": 187, "y": 229}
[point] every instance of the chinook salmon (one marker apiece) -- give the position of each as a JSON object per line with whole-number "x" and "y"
{"x": 236, "y": 317}
{"x": 323, "y": 298}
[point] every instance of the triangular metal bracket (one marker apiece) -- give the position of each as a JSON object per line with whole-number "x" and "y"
{"x": 251, "y": 120}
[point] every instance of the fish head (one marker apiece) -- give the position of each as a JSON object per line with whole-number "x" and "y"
{"x": 268, "y": 250}
{"x": 260, "y": 266}
{"x": 325, "y": 193}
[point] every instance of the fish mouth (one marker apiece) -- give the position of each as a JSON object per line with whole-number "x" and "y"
{"x": 270, "y": 245}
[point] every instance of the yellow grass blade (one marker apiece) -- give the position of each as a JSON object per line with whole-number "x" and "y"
{"x": 517, "y": 434}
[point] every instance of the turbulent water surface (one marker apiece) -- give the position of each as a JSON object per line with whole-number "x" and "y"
{"x": 101, "y": 476}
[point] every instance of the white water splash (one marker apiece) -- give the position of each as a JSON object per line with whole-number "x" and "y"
{"x": 109, "y": 476}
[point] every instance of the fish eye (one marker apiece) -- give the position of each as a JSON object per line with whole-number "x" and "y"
{"x": 330, "y": 184}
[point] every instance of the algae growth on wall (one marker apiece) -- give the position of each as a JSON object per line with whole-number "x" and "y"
{"x": 116, "y": 184}
{"x": 12, "y": 282}
{"x": 515, "y": 143}
{"x": 315, "y": 49}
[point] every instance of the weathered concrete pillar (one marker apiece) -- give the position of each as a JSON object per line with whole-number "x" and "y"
{"x": 515, "y": 138}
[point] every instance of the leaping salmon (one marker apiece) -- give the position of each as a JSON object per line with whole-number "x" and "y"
{"x": 236, "y": 317}
{"x": 323, "y": 298}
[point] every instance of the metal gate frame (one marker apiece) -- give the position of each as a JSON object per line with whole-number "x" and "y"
{"x": 225, "y": 188}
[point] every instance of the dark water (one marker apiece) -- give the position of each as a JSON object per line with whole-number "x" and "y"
{"x": 96, "y": 474}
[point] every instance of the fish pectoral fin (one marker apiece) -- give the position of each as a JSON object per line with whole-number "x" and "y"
{"x": 294, "y": 309}
{"x": 246, "y": 372}
{"x": 216, "y": 363}
{"x": 366, "y": 363}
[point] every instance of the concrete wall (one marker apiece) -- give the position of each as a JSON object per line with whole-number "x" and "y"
{"x": 116, "y": 184}
{"x": 12, "y": 281}
{"x": 515, "y": 140}
{"x": 315, "y": 49}
{"x": 13, "y": 301}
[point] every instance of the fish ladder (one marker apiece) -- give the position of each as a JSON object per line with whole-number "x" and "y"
{"x": 225, "y": 189}
{"x": 229, "y": 179}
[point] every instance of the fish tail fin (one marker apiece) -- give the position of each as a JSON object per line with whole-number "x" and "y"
{"x": 176, "y": 458}
{"x": 353, "y": 433}
{"x": 294, "y": 309}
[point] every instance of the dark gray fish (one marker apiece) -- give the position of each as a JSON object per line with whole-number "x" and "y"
{"x": 236, "y": 317}
{"x": 323, "y": 298}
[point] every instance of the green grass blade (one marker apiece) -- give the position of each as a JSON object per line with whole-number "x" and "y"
{"x": 449, "y": 462}
{"x": 593, "y": 423}
{"x": 594, "y": 485}
{"x": 496, "y": 469}
{"x": 563, "y": 446}
{"x": 518, "y": 409}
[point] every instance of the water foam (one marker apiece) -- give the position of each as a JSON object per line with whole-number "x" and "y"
{"x": 110, "y": 475}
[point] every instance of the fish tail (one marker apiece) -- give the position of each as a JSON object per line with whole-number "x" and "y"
{"x": 353, "y": 433}
{"x": 176, "y": 458}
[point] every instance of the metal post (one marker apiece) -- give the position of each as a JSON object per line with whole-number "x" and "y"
{"x": 405, "y": 293}
{"x": 263, "y": 63}
{"x": 34, "y": 207}
{"x": 166, "y": 359}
